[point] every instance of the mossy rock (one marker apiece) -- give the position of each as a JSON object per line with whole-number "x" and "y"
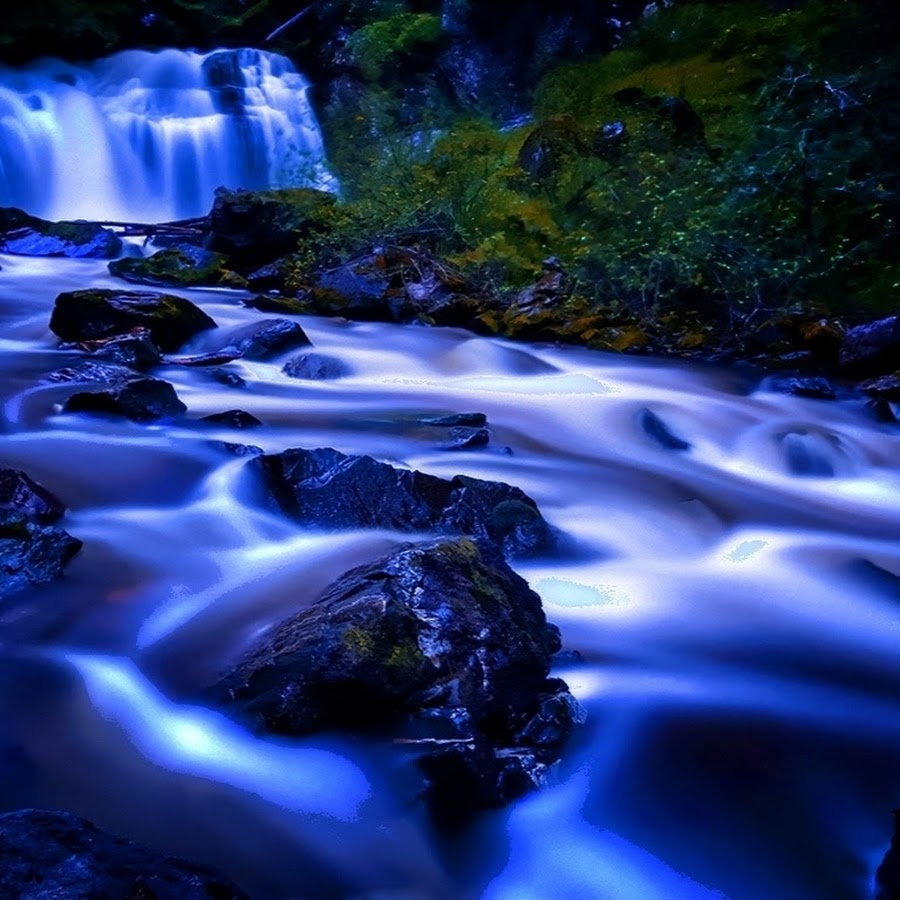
{"x": 27, "y": 235}
{"x": 182, "y": 265}
{"x": 254, "y": 228}
{"x": 98, "y": 313}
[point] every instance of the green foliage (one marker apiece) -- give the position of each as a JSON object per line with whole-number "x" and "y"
{"x": 386, "y": 43}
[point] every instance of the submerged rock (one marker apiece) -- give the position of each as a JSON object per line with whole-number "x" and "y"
{"x": 48, "y": 854}
{"x": 30, "y": 236}
{"x": 233, "y": 418}
{"x": 441, "y": 645}
{"x": 328, "y": 489}
{"x": 181, "y": 265}
{"x": 315, "y": 367}
{"x": 97, "y": 313}
{"x": 32, "y": 550}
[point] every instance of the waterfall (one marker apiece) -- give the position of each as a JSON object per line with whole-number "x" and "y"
{"x": 147, "y": 136}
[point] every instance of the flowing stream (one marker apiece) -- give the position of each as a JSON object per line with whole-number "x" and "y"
{"x": 731, "y": 617}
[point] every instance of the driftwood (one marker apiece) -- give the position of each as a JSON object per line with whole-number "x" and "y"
{"x": 187, "y": 228}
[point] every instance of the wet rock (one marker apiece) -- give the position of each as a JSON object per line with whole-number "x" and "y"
{"x": 818, "y": 388}
{"x": 464, "y": 438}
{"x": 357, "y": 289}
{"x": 48, "y": 854}
{"x": 610, "y": 140}
{"x": 264, "y": 340}
{"x": 440, "y": 645}
{"x": 315, "y": 367}
{"x": 285, "y": 306}
{"x": 20, "y": 497}
{"x": 329, "y": 489}
{"x": 275, "y": 276}
{"x": 135, "y": 350}
{"x": 30, "y": 236}
{"x": 254, "y": 228}
{"x": 226, "y": 377}
{"x": 97, "y": 313}
{"x": 470, "y": 420}
{"x": 32, "y": 550}
{"x": 181, "y": 265}
{"x": 137, "y": 397}
{"x": 872, "y": 348}
{"x": 886, "y": 388}
{"x": 234, "y": 418}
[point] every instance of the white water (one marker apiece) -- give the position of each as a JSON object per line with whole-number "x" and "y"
{"x": 739, "y": 651}
{"x": 148, "y": 137}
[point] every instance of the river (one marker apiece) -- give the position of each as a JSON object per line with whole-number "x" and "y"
{"x": 730, "y": 616}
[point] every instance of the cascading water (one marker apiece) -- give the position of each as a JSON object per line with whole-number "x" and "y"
{"x": 734, "y": 612}
{"x": 148, "y": 137}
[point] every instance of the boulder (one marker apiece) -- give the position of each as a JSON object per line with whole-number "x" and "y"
{"x": 439, "y": 645}
{"x": 328, "y": 489}
{"x": 181, "y": 265}
{"x": 30, "y": 236}
{"x": 118, "y": 391}
{"x": 96, "y": 313}
{"x": 264, "y": 340}
{"x": 32, "y": 550}
{"x": 815, "y": 386}
{"x": 20, "y": 497}
{"x": 315, "y": 367}
{"x": 233, "y": 418}
{"x": 49, "y": 854}
{"x": 550, "y": 145}
{"x": 254, "y": 228}
{"x": 872, "y": 348}
{"x": 135, "y": 350}
{"x": 464, "y": 438}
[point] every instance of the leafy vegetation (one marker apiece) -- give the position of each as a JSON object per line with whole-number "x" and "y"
{"x": 726, "y": 164}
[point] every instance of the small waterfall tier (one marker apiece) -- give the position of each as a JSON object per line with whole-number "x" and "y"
{"x": 144, "y": 136}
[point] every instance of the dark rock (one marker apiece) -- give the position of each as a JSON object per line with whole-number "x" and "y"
{"x": 21, "y": 497}
{"x": 98, "y": 313}
{"x": 316, "y": 367}
{"x": 654, "y": 426}
{"x": 235, "y": 418}
{"x": 229, "y": 379}
{"x": 818, "y": 388}
{"x": 137, "y": 397}
{"x": 357, "y": 289}
{"x": 437, "y": 642}
{"x": 329, "y": 489}
{"x": 254, "y": 228}
{"x": 464, "y": 438}
{"x": 471, "y": 420}
{"x": 272, "y": 277}
{"x": 284, "y": 306}
{"x": 50, "y": 855}
{"x": 264, "y": 340}
{"x": 887, "y": 876}
{"x": 91, "y": 372}
{"x": 29, "y": 236}
{"x": 872, "y": 348}
{"x": 182, "y": 265}
{"x": 886, "y": 388}
{"x": 135, "y": 350}
{"x": 32, "y": 551}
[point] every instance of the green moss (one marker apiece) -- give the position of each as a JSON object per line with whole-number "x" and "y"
{"x": 388, "y": 42}
{"x": 359, "y": 642}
